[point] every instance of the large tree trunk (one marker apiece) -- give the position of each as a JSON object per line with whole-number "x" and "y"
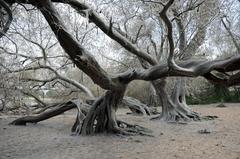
{"x": 173, "y": 110}
{"x": 102, "y": 115}
{"x": 179, "y": 98}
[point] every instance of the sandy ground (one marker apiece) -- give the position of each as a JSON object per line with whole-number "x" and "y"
{"x": 51, "y": 139}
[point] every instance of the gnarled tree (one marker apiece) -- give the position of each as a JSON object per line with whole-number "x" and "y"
{"x": 102, "y": 115}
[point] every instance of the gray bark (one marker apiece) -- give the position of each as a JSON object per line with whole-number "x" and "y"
{"x": 187, "y": 51}
{"x": 136, "y": 106}
{"x": 46, "y": 115}
{"x": 176, "y": 110}
{"x": 102, "y": 115}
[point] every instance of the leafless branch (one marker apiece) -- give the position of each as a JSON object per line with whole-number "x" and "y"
{"x": 4, "y": 26}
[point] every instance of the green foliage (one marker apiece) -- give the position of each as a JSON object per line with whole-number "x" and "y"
{"x": 216, "y": 94}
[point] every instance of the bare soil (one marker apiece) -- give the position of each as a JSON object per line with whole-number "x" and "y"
{"x": 51, "y": 139}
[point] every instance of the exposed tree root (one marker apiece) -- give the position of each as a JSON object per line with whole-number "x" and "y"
{"x": 208, "y": 117}
{"x": 178, "y": 114}
{"x": 98, "y": 119}
{"x": 134, "y": 129}
{"x": 174, "y": 109}
{"x": 181, "y": 115}
{"x": 102, "y": 118}
{"x": 136, "y": 106}
{"x": 102, "y": 115}
{"x": 45, "y": 115}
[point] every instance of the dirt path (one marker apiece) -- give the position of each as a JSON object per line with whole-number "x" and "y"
{"x": 51, "y": 139}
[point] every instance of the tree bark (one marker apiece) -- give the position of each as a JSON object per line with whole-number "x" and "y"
{"x": 101, "y": 118}
{"x": 186, "y": 52}
{"x": 102, "y": 115}
{"x": 136, "y": 106}
{"x": 179, "y": 98}
{"x": 173, "y": 111}
{"x": 45, "y": 115}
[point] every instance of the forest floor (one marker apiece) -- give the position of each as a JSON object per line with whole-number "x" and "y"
{"x": 51, "y": 139}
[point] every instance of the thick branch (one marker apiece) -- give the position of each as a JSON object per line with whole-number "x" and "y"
{"x": 83, "y": 60}
{"x": 182, "y": 36}
{"x": 105, "y": 27}
{"x": 198, "y": 68}
{"x": 163, "y": 14}
{"x": 46, "y": 115}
